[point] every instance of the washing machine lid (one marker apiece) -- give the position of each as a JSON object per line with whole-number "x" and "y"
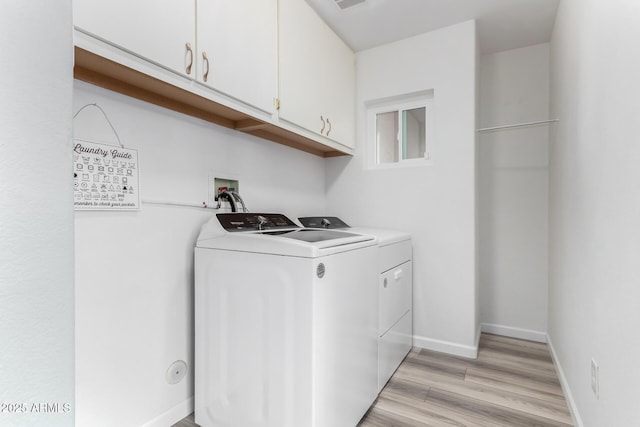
{"x": 275, "y": 234}
{"x": 312, "y": 235}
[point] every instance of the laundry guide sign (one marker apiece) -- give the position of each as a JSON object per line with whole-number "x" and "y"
{"x": 105, "y": 177}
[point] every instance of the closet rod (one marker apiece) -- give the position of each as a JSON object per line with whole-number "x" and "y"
{"x": 519, "y": 125}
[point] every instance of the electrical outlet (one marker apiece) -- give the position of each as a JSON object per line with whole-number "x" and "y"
{"x": 595, "y": 378}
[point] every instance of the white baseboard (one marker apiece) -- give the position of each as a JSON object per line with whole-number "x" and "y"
{"x": 508, "y": 331}
{"x": 575, "y": 415}
{"x": 471, "y": 352}
{"x": 173, "y": 415}
{"x": 468, "y": 351}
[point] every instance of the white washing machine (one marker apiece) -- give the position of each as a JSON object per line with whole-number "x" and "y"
{"x": 285, "y": 324}
{"x": 395, "y": 291}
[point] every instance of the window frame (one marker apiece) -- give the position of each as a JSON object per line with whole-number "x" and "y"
{"x": 398, "y": 104}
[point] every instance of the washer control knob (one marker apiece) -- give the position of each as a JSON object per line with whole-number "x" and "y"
{"x": 261, "y": 221}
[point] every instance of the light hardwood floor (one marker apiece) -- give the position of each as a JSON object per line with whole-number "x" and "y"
{"x": 512, "y": 383}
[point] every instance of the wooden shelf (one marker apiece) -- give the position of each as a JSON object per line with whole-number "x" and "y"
{"x": 105, "y": 73}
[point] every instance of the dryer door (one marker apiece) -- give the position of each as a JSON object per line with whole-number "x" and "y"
{"x": 395, "y": 296}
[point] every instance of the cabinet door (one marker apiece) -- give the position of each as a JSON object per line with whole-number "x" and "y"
{"x": 156, "y": 32}
{"x": 316, "y": 74}
{"x": 340, "y": 91}
{"x": 240, "y": 41}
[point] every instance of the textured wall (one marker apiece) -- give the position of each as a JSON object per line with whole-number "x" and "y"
{"x": 436, "y": 202}
{"x": 513, "y": 192}
{"x": 36, "y": 214}
{"x": 134, "y": 270}
{"x": 594, "y": 203}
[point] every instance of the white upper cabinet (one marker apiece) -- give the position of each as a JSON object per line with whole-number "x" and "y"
{"x": 226, "y": 61}
{"x": 163, "y": 33}
{"x": 237, "y": 49}
{"x": 316, "y": 74}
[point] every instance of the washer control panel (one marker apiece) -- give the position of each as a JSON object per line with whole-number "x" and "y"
{"x": 242, "y": 221}
{"x": 322, "y": 222}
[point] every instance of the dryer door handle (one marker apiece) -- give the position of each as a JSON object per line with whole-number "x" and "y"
{"x": 397, "y": 275}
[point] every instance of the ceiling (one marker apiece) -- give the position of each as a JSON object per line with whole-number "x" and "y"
{"x": 501, "y": 24}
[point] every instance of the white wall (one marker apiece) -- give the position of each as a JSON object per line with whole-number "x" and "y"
{"x": 512, "y": 192}
{"x": 36, "y": 217}
{"x": 134, "y": 270}
{"x": 594, "y": 201}
{"x": 435, "y": 203}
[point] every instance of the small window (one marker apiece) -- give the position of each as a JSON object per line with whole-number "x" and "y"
{"x": 400, "y": 130}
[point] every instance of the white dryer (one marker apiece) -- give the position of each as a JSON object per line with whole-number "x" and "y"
{"x": 285, "y": 324}
{"x": 395, "y": 291}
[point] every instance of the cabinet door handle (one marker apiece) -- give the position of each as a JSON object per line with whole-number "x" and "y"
{"x": 205, "y": 61}
{"x": 190, "y": 52}
{"x": 323, "y": 125}
{"x": 329, "y": 123}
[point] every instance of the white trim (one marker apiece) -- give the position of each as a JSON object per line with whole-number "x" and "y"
{"x": 173, "y": 415}
{"x": 509, "y": 331}
{"x": 468, "y": 351}
{"x": 573, "y": 409}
